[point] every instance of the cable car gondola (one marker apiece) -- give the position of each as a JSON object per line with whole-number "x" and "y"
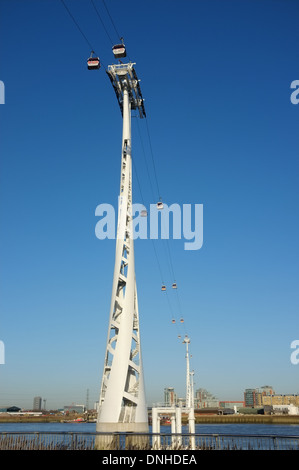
{"x": 182, "y": 320}
{"x": 119, "y": 50}
{"x": 143, "y": 213}
{"x": 174, "y": 286}
{"x": 163, "y": 287}
{"x": 173, "y": 321}
{"x": 93, "y": 63}
{"x": 159, "y": 205}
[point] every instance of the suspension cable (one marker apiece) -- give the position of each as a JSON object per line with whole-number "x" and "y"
{"x": 75, "y": 22}
{"x": 102, "y": 22}
{"x": 154, "y": 166}
{"x": 118, "y": 35}
{"x": 150, "y": 144}
{"x": 181, "y": 320}
{"x": 143, "y": 152}
{"x": 154, "y": 248}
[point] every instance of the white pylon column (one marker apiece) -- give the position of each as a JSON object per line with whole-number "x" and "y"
{"x": 189, "y": 395}
{"x": 188, "y": 384}
{"x": 122, "y": 404}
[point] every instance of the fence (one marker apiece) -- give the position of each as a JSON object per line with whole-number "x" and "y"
{"x": 138, "y": 441}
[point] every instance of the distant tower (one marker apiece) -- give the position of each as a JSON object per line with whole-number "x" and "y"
{"x": 37, "y": 403}
{"x": 188, "y": 381}
{"x": 87, "y": 399}
{"x": 190, "y": 395}
{"x": 122, "y": 405}
{"x": 169, "y": 396}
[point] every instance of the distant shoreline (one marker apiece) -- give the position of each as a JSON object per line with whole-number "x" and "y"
{"x": 248, "y": 419}
{"x": 203, "y": 419}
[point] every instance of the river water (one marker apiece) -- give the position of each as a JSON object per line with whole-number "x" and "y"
{"x": 242, "y": 428}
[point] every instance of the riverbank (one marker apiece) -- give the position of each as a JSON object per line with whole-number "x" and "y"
{"x": 51, "y": 418}
{"x": 247, "y": 419}
{"x": 208, "y": 419}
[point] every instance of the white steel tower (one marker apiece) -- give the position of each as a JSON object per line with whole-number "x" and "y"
{"x": 122, "y": 404}
{"x": 188, "y": 382}
{"x": 189, "y": 395}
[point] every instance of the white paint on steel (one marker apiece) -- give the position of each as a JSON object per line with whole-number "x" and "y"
{"x": 122, "y": 396}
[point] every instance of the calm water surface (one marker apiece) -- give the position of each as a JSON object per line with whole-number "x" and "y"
{"x": 246, "y": 429}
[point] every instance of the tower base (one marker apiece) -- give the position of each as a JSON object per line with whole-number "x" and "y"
{"x": 116, "y": 436}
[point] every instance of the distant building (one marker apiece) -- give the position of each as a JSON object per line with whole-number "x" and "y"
{"x": 286, "y": 409}
{"x": 13, "y": 409}
{"x": 37, "y": 403}
{"x": 281, "y": 400}
{"x": 267, "y": 390}
{"x": 75, "y": 409}
{"x": 266, "y": 397}
{"x": 235, "y": 405}
{"x": 250, "y": 397}
{"x": 204, "y": 399}
{"x": 170, "y": 397}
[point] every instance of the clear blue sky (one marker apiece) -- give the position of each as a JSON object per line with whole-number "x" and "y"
{"x": 215, "y": 75}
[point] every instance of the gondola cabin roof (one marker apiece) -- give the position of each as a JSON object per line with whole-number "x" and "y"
{"x": 119, "y": 50}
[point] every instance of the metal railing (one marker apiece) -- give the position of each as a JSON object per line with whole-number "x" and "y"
{"x": 138, "y": 441}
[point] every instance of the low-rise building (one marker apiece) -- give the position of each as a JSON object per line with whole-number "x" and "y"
{"x": 278, "y": 400}
{"x": 286, "y": 409}
{"x": 234, "y": 405}
{"x": 75, "y": 409}
{"x": 205, "y": 399}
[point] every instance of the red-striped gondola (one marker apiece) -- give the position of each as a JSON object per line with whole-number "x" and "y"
{"x": 93, "y": 63}
{"x": 119, "y": 51}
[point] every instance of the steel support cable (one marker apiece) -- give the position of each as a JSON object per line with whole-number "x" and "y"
{"x": 170, "y": 260}
{"x": 172, "y": 273}
{"x": 74, "y": 20}
{"x": 167, "y": 256}
{"x": 147, "y": 168}
{"x": 153, "y": 161}
{"x": 113, "y": 24}
{"x": 154, "y": 248}
{"x": 170, "y": 308}
{"x": 159, "y": 194}
{"x": 148, "y": 173}
{"x": 156, "y": 178}
{"x": 167, "y": 251}
{"x": 156, "y": 255}
{"x": 139, "y": 186}
{"x": 102, "y": 22}
{"x": 77, "y": 25}
{"x": 111, "y": 19}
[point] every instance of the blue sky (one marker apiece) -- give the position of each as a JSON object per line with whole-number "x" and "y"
{"x": 215, "y": 75}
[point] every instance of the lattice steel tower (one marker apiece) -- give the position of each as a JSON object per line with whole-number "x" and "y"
{"x": 122, "y": 405}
